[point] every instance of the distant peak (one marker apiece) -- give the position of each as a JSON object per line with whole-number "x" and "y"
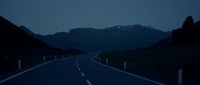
{"x": 188, "y": 23}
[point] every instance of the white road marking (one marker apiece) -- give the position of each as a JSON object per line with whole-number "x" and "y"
{"x": 20, "y": 73}
{"x": 88, "y": 82}
{"x": 83, "y": 74}
{"x": 77, "y": 66}
{"x": 131, "y": 74}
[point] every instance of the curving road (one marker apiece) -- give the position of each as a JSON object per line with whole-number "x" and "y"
{"x": 80, "y": 70}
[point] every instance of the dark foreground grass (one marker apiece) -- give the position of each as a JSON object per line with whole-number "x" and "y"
{"x": 160, "y": 64}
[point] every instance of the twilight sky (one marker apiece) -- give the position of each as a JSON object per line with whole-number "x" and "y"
{"x": 50, "y": 16}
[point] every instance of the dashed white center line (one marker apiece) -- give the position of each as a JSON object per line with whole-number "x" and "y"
{"x": 83, "y": 74}
{"x": 88, "y": 82}
{"x": 77, "y": 66}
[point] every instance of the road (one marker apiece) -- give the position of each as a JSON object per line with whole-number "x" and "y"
{"x": 79, "y": 70}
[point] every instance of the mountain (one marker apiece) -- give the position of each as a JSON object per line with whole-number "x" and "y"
{"x": 28, "y": 31}
{"x": 20, "y": 43}
{"x": 179, "y": 51}
{"x": 162, "y": 61}
{"x": 14, "y": 40}
{"x": 188, "y": 34}
{"x": 111, "y": 38}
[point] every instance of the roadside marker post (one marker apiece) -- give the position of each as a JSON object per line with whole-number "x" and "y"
{"x": 125, "y": 65}
{"x": 180, "y": 77}
{"x": 107, "y": 60}
{"x": 44, "y": 58}
{"x": 55, "y": 58}
{"x": 19, "y": 64}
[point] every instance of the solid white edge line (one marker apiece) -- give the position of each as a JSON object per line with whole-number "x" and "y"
{"x": 125, "y": 71}
{"x": 89, "y": 83}
{"x": 20, "y": 73}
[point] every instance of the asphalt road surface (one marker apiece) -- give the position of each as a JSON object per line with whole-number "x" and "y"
{"x": 79, "y": 70}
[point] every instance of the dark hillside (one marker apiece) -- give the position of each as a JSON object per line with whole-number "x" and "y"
{"x": 162, "y": 61}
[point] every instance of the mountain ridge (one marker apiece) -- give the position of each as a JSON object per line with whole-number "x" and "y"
{"x": 187, "y": 34}
{"x": 111, "y": 38}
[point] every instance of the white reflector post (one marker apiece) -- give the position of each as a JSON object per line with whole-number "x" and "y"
{"x": 19, "y": 64}
{"x": 124, "y": 65}
{"x": 180, "y": 77}
{"x": 107, "y": 60}
{"x": 55, "y": 57}
{"x": 44, "y": 58}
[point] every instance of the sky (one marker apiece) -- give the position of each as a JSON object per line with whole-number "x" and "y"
{"x": 51, "y": 16}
